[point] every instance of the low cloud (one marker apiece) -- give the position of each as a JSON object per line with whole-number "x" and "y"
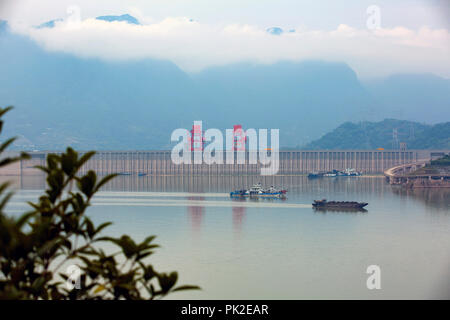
{"x": 194, "y": 46}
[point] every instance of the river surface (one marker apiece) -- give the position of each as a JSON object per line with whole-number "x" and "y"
{"x": 280, "y": 249}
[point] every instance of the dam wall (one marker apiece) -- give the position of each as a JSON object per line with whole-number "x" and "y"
{"x": 291, "y": 162}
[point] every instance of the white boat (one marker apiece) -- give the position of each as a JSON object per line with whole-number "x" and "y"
{"x": 258, "y": 191}
{"x": 350, "y": 172}
{"x": 330, "y": 174}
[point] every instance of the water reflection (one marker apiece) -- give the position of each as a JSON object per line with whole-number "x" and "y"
{"x": 208, "y": 183}
{"x": 341, "y": 188}
{"x": 196, "y": 215}
{"x": 238, "y": 220}
{"x": 200, "y": 184}
{"x": 438, "y": 198}
{"x": 340, "y": 210}
{"x": 316, "y": 254}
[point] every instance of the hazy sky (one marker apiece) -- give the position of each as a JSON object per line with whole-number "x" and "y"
{"x": 413, "y": 35}
{"x": 320, "y": 14}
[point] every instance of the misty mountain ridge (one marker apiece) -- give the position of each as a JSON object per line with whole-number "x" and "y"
{"x": 124, "y": 17}
{"x": 109, "y": 18}
{"x": 62, "y": 99}
{"x": 415, "y": 97}
{"x": 386, "y": 134}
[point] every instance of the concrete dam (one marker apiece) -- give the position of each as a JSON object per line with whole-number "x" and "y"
{"x": 291, "y": 162}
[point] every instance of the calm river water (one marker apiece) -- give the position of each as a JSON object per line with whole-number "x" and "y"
{"x": 275, "y": 249}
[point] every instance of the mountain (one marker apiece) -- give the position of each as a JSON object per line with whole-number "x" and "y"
{"x": 302, "y": 99}
{"x": 89, "y": 103}
{"x": 123, "y": 17}
{"x": 423, "y": 97}
{"x": 49, "y": 24}
{"x": 372, "y": 135}
{"x": 3, "y": 26}
{"x": 275, "y": 31}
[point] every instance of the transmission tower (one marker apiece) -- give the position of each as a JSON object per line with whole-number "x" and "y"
{"x": 411, "y": 132}
{"x": 403, "y": 146}
{"x": 395, "y": 143}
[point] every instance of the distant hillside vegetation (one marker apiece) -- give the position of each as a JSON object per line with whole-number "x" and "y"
{"x": 372, "y": 135}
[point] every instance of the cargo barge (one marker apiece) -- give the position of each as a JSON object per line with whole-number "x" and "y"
{"x": 338, "y": 204}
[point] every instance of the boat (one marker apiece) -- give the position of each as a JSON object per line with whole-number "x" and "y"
{"x": 258, "y": 191}
{"x": 238, "y": 193}
{"x": 313, "y": 175}
{"x": 349, "y": 172}
{"x": 338, "y": 204}
{"x": 337, "y": 209}
{"x": 330, "y": 174}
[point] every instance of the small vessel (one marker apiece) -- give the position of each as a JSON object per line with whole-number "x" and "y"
{"x": 238, "y": 193}
{"x": 336, "y": 209}
{"x": 330, "y": 174}
{"x": 338, "y": 204}
{"x": 313, "y": 175}
{"x": 349, "y": 172}
{"x": 258, "y": 191}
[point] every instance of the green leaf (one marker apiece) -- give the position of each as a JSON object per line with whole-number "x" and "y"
{"x": 6, "y": 144}
{"x": 85, "y": 157}
{"x": 89, "y": 227}
{"x": 186, "y": 287}
{"x": 149, "y": 272}
{"x": 4, "y": 186}
{"x": 102, "y": 226}
{"x": 167, "y": 281}
{"x": 87, "y": 182}
{"x": 38, "y": 284}
{"x": 42, "y": 168}
{"x": 5, "y": 110}
{"x": 5, "y": 200}
{"x": 69, "y": 161}
{"x": 52, "y": 161}
{"x": 105, "y": 180}
{"x": 24, "y": 219}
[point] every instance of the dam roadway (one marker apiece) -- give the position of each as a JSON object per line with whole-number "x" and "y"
{"x": 291, "y": 162}
{"x": 408, "y": 175}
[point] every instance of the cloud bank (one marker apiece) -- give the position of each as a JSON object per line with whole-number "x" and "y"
{"x": 194, "y": 46}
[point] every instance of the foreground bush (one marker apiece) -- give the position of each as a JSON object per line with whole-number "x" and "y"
{"x": 55, "y": 251}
